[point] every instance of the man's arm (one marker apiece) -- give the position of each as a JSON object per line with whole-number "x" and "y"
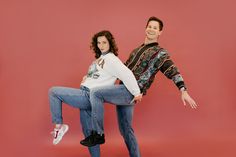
{"x": 168, "y": 68}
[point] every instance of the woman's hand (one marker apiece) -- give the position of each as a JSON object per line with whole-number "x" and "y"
{"x": 84, "y": 78}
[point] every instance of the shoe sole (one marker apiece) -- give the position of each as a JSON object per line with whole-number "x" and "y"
{"x": 93, "y": 144}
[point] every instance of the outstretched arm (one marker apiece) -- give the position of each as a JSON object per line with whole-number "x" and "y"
{"x": 169, "y": 69}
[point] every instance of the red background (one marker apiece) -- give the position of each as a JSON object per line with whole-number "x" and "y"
{"x": 44, "y": 43}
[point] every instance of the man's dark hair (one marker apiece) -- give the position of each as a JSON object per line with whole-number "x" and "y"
{"x": 153, "y": 18}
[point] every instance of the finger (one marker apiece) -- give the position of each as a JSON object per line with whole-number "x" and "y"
{"x": 139, "y": 100}
{"x": 184, "y": 102}
{"x": 193, "y": 105}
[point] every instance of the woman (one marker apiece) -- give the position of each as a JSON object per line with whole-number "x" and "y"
{"x": 103, "y": 72}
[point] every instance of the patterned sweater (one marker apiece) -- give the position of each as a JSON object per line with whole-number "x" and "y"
{"x": 146, "y": 60}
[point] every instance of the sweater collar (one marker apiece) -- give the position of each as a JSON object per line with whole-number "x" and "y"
{"x": 151, "y": 44}
{"x": 104, "y": 53}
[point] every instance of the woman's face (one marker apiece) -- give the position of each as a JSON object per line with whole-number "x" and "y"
{"x": 103, "y": 44}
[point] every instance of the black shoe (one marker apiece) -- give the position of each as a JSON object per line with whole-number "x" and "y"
{"x": 93, "y": 139}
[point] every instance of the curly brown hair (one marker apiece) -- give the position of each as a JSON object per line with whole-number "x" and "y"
{"x": 111, "y": 40}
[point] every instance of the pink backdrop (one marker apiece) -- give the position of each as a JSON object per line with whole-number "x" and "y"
{"x": 44, "y": 43}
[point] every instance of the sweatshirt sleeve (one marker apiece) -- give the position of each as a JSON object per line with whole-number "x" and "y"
{"x": 115, "y": 67}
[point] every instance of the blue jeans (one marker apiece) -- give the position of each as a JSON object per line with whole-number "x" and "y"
{"x": 78, "y": 98}
{"x": 120, "y": 96}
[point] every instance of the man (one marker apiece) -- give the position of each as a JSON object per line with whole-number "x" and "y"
{"x": 145, "y": 61}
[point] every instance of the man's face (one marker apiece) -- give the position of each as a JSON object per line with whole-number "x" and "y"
{"x": 103, "y": 44}
{"x": 152, "y": 31}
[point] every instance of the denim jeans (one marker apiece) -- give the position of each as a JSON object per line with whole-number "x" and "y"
{"x": 78, "y": 98}
{"x": 120, "y": 96}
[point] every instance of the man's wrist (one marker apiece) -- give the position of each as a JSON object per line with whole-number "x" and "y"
{"x": 183, "y": 89}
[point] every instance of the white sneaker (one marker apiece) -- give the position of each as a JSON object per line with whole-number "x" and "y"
{"x": 59, "y": 133}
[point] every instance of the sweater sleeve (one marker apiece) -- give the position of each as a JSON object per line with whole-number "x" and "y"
{"x": 168, "y": 68}
{"x": 115, "y": 67}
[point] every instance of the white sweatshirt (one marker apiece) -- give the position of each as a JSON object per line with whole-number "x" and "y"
{"x": 106, "y": 69}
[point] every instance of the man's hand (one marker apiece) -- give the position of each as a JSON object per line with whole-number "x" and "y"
{"x": 190, "y": 101}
